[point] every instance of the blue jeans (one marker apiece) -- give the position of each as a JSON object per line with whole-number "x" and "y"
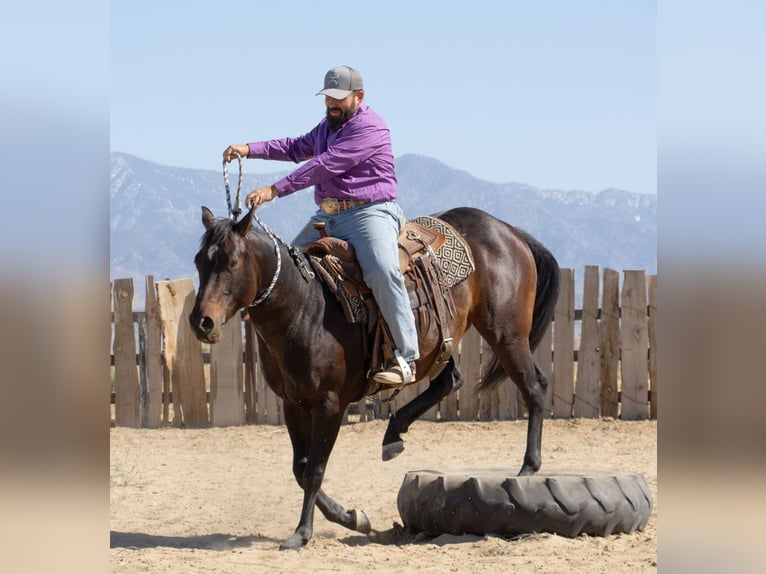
{"x": 372, "y": 230}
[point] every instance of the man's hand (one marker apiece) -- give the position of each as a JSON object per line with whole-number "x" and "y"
{"x": 259, "y": 196}
{"x": 229, "y": 152}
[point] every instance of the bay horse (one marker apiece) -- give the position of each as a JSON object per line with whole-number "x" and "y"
{"x": 314, "y": 359}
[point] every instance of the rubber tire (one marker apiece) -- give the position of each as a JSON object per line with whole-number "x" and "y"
{"x": 495, "y": 501}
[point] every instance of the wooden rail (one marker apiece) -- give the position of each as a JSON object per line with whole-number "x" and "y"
{"x": 600, "y": 361}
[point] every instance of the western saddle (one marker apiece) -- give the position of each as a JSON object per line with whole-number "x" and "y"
{"x": 335, "y": 262}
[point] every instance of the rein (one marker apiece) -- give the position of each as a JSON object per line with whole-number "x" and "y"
{"x": 234, "y": 213}
{"x": 275, "y": 239}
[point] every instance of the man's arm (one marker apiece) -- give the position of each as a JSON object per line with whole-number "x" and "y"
{"x": 356, "y": 145}
{"x": 285, "y": 149}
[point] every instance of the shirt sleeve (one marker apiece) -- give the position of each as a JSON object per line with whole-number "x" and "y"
{"x": 356, "y": 144}
{"x": 285, "y": 149}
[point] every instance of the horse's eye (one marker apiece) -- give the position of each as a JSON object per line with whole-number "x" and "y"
{"x": 232, "y": 264}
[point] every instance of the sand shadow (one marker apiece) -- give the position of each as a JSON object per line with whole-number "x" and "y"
{"x": 139, "y": 540}
{"x": 397, "y": 535}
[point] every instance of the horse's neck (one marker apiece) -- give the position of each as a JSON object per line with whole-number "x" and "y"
{"x": 291, "y": 292}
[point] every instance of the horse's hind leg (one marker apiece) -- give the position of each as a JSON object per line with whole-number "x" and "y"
{"x": 533, "y": 384}
{"x": 518, "y": 363}
{"x": 447, "y": 381}
{"x": 534, "y": 395}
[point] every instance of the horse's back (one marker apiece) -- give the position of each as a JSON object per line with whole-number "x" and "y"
{"x": 504, "y": 280}
{"x": 488, "y": 235}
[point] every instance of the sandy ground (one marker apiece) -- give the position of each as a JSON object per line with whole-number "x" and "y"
{"x": 222, "y": 499}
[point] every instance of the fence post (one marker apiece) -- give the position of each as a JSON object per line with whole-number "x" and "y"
{"x": 634, "y": 343}
{"x": 152, "y": 408}
{"x": 470, "y": 366}
{"x": 227, "y": 404}
{"x": 610, "y": 343}
{"x": 653, "y": 345}
{"x": 183, "y": 353}
{"x": 263, "y": 405}
{"x": 587, "y": 389}
{"x": 563, "y": 347}
{"x": 127, "y": 398}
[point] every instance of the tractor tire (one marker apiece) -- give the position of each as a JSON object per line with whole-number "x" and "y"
{"x": 495, "y": 501}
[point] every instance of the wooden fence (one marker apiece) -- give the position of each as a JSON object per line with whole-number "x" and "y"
{"x": 600, "y": 361}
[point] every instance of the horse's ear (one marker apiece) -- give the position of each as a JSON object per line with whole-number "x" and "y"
{"x": 243, "y": 225}
{"x": 207, "y": 217}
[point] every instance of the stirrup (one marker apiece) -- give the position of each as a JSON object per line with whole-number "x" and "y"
{"x": 397, "y": 375}
{"x": 408, "y": 372}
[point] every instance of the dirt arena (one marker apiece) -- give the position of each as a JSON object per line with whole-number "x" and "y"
{"x": 221, "y": 500}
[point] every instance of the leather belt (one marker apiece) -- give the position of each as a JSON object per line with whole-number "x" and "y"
{"x": 332, "y": 206}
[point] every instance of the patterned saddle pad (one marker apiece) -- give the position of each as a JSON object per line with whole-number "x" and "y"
{"x": 454, "y": 255}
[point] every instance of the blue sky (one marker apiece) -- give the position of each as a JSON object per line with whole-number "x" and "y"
{"x": 554, "y": 94}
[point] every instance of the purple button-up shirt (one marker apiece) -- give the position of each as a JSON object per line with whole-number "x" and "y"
{"x": 355, "y": 162}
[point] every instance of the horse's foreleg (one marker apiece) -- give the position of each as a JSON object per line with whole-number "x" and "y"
{"x": 447, "y": 381}
{"x": 305, "y": 529}
{"x": 299, "y": 428}
{"x": 313, "y": 438}
{"x": 352, "y": 519}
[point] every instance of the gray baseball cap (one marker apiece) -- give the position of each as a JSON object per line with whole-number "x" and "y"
{"x": 340, "y": 82}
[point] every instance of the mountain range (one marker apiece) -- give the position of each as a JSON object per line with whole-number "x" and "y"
{"x": 155, "y": 215}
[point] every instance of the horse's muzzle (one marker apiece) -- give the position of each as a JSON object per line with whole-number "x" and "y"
{"x": 204, "y": 327}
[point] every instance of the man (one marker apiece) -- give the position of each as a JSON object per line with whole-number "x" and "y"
{"x": 351, "y": 166}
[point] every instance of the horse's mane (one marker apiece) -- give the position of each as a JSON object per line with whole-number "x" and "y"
{"x": 217, "y": 233}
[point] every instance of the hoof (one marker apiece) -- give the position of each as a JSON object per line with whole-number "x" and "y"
{"x": 361, "y": 522}
{"x": 528, "y": 470}
{"x": 393, "y": 449}
{"x": 293, "y": 543}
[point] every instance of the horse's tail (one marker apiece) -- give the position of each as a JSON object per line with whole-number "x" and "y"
{"x": 546, "y": 295}
{"x": 547, "y": 292}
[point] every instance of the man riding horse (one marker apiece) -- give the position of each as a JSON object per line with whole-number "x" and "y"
{"x": 348, "y": 160}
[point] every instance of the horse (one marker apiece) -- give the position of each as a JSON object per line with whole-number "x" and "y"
{"x": 314, "y": 358}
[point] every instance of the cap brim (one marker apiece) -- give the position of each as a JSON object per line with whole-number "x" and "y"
{"x": 334, "y": 93}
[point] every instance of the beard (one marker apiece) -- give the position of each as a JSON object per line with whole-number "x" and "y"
{"x": 335, "y": 122}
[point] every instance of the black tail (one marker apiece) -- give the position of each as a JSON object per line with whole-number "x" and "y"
{"x": 546, "y": 295}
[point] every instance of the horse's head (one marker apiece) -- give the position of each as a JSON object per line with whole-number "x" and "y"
{"x": 227, "y": 276}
